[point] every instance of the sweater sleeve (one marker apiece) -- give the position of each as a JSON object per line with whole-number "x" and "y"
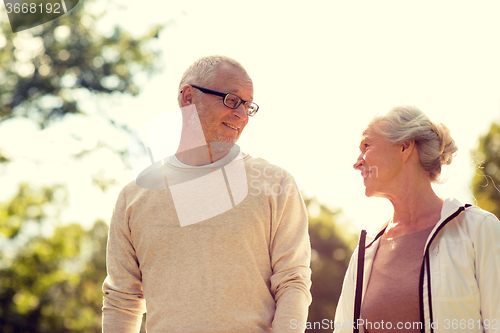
{"x": 487, "y": 249}
{"x": 290, "y": 251}
{"x": 124, "y": 303}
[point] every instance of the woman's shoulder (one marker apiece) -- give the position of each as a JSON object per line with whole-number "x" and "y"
{"x": 476, "y": 214}
{"x": 477, "y": 221}
{"x": 471, "y": 212}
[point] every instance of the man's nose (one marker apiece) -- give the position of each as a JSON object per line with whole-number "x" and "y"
{"x": 241, "y": 111}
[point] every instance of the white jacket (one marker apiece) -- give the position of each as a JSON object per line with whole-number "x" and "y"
{"x": 464, "y": 259}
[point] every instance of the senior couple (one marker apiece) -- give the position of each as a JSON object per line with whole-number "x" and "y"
{"x": 188, "y": 246}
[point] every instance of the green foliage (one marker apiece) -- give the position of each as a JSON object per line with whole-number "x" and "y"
{"x": 45, "y": 70}
{"x": 332, "y": 247}
{"x": 27, "y": 206}
{"x": 50, "y": 283}
{"x": 486, "y": 181}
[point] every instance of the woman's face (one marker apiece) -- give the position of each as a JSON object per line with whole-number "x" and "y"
{"x": 380, "y": 164}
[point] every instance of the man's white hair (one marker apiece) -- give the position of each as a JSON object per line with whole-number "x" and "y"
{"x": 204, "y": 70}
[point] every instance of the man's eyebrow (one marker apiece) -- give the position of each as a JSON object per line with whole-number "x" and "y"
{"x": 235, "y": 92}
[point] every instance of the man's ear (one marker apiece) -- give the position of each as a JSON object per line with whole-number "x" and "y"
{"x": 187, "y": 95}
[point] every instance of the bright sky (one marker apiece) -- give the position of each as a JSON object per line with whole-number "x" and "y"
{"x": 321, "y": 71}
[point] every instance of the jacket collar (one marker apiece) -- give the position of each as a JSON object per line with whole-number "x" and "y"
{"x": 450, "y": 205}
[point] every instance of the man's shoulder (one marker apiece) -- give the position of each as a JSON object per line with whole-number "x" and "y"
{"x": 132, "y": 189}
{"x": 261, "y": 163}
{"x": 259, "y": 167}
{"x": 152, "y": 178}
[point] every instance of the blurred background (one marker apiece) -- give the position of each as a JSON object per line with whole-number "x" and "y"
{"x": 72, "y": 89}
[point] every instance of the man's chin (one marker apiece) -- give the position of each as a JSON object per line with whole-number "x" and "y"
{"x": 228, "y": 139}
{"x": 221, "y": 146}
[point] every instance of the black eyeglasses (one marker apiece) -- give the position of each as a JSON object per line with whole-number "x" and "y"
{"x": 231, "y": 100}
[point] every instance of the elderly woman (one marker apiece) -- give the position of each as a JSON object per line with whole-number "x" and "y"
{"x": 435, "y": 265}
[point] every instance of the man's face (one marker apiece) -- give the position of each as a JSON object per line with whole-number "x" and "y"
{"x": 220, "y": 123}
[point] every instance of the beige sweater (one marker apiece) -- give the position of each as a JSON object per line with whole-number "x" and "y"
{"x": 243, "y": 270}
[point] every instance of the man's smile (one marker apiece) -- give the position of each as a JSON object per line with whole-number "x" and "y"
{"x": 231, "y": 126}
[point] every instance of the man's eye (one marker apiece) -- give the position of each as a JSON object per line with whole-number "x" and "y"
{"x": 231, "y": 99}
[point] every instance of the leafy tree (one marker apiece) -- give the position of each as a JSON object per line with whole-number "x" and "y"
{"x": 49, "y": 283}
{"x": 51, "y": 275}
{"x": 45, "y": 70}
{"x": 26, "y": 210}
{"x": 486, "y": 181}
{"x": 332, "y": 246}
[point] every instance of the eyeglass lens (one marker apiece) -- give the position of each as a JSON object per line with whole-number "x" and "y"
{"x": 233, "y": 101}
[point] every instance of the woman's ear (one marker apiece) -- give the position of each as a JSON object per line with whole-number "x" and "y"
{"x": 407, "y": 148}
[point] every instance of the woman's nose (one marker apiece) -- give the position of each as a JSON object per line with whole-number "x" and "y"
{"x": 358, "y": 163}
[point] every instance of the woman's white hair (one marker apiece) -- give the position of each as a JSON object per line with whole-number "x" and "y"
{"x": 204, "y": 70}
{"x": 433, "y": 141}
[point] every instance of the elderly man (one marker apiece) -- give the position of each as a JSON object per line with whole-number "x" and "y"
{"x": 209, "y": 239}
